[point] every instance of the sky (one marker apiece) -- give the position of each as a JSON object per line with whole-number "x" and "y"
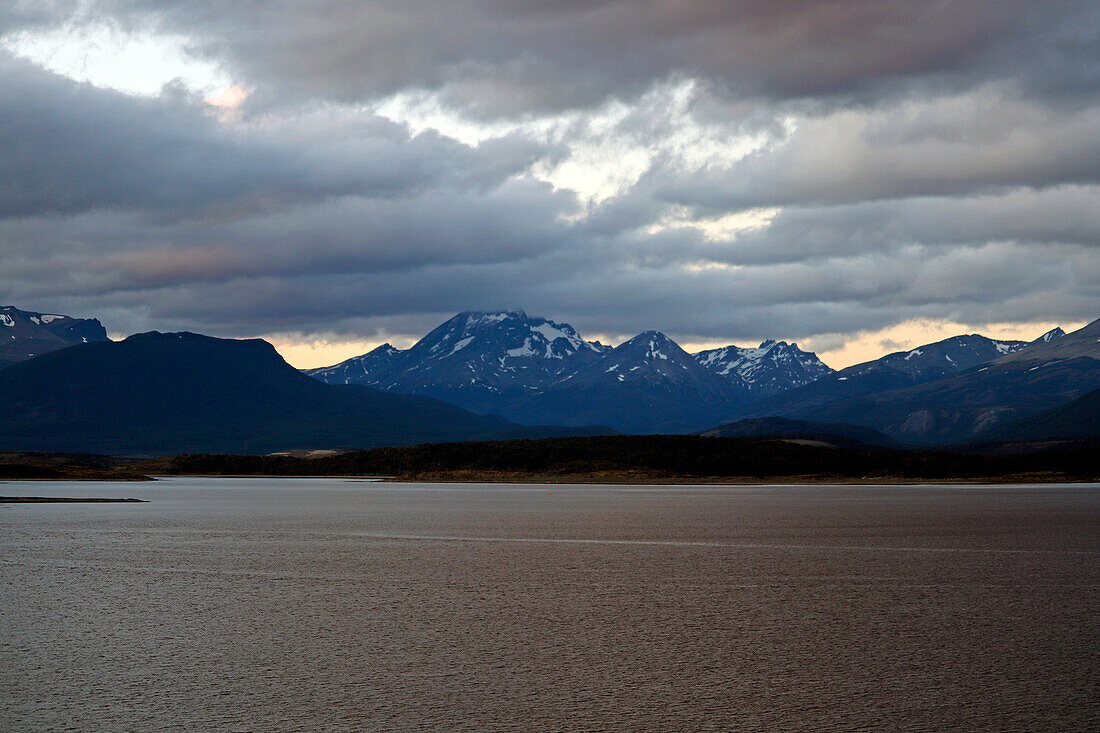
{"x": 859, "y": 176}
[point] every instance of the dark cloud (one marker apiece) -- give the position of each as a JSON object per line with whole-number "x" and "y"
{"x": 67, "y": 147}
{"x": 514, "y": 56}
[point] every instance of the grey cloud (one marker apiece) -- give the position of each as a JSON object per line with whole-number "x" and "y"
{"x": 16, "y": 15}
{"x": 68, "y": 147}
{"x": 598, "y": 291}
{"x": 985, "y": 140}
{"x": 100, "y": 253}
{"x": 514, "y": 56}
{"x": 1057, "y": 215}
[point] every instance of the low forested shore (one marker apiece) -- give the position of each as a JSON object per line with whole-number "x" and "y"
{"x": 607, "y": 459}
{"x": 660, "y": 458}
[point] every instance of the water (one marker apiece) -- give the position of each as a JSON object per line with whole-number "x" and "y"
{"x": 301, "y": 604}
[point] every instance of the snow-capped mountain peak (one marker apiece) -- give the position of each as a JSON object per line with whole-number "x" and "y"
{"x": 650, "y": 345}
{"x": 772, "y": 367}
{"x": 1051, "y": 335}
{"x": 503, "y": 335}
{"x": 651, "y": 358}
{"x": 475, "y": 358}
{"x": 371, "y": 369}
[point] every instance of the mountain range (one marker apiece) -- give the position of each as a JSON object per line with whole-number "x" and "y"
{"x": 505, "y": 374}
{"x": 532, "y": 370}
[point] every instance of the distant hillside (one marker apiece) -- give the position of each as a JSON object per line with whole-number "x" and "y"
{"x": 898, "y": 370}
{"x": 778, "y": 427}
{"x": 960, "y": 407}
{"x": 158, "y": 393}
{"x": 27, "y": 334}
{"x": 1079, "y": 418}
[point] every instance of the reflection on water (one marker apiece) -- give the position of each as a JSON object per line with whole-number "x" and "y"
{"x": 292, "y": 604}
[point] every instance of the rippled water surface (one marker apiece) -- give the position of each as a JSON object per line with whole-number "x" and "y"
{"x": 301, "y": 604}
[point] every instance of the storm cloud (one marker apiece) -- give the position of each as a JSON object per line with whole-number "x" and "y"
{"x": 724, "y": 172}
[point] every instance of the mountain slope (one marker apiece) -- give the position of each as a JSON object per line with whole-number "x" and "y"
{"x": 369, "y": 370}
{"x": 645, "y": 385}
{"x": 1084, "y": 342}
{"x": 960, "y": 407}
{"x": 1079, "y": 418}
{"x": 160, "y": 393}
{"x": 771, "y": 368}
{"x": 779, "y": 427}
{"x": 27, "y": 334}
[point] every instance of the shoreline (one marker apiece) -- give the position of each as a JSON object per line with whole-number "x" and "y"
{"x": 612, "y": 480}
{"x": 67, "y": 500}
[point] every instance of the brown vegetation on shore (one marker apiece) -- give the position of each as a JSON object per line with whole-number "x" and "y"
{"x": 26, "y": 466}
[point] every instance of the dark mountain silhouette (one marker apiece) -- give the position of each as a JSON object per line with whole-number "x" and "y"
{"x": 894, "y": 371}
{"x": 157, "y": 393}
{"x": 1084, "y": 342}
{"x": 961, "y": 407}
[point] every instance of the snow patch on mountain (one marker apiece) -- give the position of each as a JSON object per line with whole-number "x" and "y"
{"x": 29, "y": 334}
{"x": 462, "y": 343}
{"x": 526, "y": 350}
{"x": 475, "y": 319}
{"x": 552, "y": 332}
